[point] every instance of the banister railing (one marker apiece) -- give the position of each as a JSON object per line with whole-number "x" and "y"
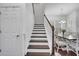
{"x": 51, "y": 33}
{"x": 48, "y": 21}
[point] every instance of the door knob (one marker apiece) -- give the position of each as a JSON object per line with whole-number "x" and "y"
{"x": 17, "y": 35}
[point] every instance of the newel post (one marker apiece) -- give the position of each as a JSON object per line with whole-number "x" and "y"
{"x": 52, "y": 40}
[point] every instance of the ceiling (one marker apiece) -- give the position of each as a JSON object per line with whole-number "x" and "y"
{"x": 60, "y": 8}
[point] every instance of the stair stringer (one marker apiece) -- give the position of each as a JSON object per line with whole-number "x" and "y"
{"x": 27, "y": 42}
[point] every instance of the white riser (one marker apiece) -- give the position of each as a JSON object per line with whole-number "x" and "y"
{"x": 39, "y": 32}
{"x": 57, "y": 54}
{"x": 38, "y": 39}
{"x": 39, "y": 29}
{"x": 38, "y": 50}
{"x": 36, "y": 43}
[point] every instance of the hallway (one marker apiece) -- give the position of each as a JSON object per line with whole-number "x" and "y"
{"x": 39, "y": 29}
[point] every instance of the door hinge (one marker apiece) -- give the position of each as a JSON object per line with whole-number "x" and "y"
{"x": 0, "y": 50}
{"x": 0, "y": 31}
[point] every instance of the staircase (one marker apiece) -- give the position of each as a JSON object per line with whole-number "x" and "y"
{"x": 38, "y": 45}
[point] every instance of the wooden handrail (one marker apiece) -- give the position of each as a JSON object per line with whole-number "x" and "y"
{"x": 52, "y": 27}
{"x": 48, "y": 21}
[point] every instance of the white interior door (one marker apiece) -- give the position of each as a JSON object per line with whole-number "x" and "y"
{"x": 0, "y": 36}
{"x": 10, "y": 36}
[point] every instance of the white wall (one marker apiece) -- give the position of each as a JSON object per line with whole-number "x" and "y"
{"x": 77, "y": 23}
{"x": 28, "y": 24}
{"x": 39, "y": 13}
{"x": 71, "y": 22}
{"x": 16, "y": 19}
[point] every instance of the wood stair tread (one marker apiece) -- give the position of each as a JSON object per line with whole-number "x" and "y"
{"x": 38, "y": 47}
{"x": 38, "y": 41}
{"x": 38, "y": 54}
{"x": 39, "y": 28}
{"x": 38, "y": 36}
{"x": 38, "y": 33}
{"x": 38, "y": 24}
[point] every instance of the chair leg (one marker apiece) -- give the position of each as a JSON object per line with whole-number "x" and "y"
{"x": 71, "y": 53}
